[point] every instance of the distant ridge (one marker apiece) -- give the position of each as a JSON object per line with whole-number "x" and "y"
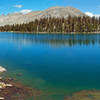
{"x": 19, "y": 18}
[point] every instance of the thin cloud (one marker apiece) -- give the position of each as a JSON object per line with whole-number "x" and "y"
{"x": 99, "y": 6}
{"x": 18, "y": 6}
{"x": 89, "y": 14}
{"x": 25, "y": 11}
{"x": 92, "y": 15}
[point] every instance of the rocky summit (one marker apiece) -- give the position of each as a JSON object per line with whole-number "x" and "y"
{"x": 19, "y": 18}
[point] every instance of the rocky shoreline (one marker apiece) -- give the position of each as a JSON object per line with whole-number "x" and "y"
{"x": 63, "y": 33}
{"x": 10, "y": 89}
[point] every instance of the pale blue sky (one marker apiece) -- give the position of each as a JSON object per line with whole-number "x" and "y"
{"x": 9, "y": 6}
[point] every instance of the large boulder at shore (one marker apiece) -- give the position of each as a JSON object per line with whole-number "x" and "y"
{"x": 2, "y": 69}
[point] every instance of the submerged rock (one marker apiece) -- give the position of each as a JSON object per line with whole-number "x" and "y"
{"x": 11, "y": 90}
{"x": 2, "y": 98}
{"x": 19, "y": 74}
{"x": 85, "y": 95}
{"x": 4, "y": 85}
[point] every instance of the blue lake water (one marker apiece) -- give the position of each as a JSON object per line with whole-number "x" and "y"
{"x": 56, "y": 64}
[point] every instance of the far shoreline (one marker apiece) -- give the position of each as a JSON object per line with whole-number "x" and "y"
{"x": 63, "y": 33}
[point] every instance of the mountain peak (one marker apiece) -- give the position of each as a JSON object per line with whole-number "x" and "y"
{"x": 18, "y": 18}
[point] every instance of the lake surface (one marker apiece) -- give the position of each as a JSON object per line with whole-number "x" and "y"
{"x": 56, "y": 64}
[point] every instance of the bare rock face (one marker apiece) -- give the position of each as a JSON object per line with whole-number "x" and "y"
{"x": 19, "y": 18}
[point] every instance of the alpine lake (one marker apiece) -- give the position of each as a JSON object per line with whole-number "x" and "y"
{"x": 58, "y": 65}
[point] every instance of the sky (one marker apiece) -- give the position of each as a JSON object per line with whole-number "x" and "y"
{"x": 90, "y": 7}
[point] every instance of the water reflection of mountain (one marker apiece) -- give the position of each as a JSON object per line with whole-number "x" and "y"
{"x": 53, "y": 40}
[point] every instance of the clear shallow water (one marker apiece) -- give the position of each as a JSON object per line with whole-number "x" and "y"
{"x": 56, "y": 64}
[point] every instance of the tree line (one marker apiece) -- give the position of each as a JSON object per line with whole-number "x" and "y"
{"x": 70, "y": 24}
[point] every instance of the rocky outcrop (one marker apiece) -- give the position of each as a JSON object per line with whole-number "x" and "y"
{"x": 2, "y": 69}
